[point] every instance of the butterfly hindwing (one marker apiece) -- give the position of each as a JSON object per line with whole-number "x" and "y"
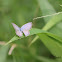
{"x": 19, "y": 33}
{"x": 26, "y": 32}
{"x": 17, "y": 29}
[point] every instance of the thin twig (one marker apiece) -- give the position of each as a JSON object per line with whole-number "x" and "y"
{"x": 13, "y": 46}
{"x": 11, "y": 49}
{"x": 2, "y": 43}
{"x": 47, "y": 15}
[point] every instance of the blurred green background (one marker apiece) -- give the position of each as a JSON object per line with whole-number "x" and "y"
{"x": 21, "y": 12}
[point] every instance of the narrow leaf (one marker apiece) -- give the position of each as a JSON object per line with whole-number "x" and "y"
{"x": 46, "y": 9}
{"x": 54, "y": 47}
{"x": 3, "y": 53}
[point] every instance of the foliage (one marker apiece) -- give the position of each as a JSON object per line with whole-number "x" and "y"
{"x": 44, "y": 44}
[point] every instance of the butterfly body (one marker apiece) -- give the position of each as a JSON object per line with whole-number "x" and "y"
{"x": 24, "y": 29}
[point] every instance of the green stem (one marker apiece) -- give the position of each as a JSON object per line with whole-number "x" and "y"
{"x": 13, "y": 39}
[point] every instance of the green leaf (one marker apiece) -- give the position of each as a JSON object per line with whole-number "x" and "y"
{"x": 54, "y": 36}
{"x": 50, "y": 24}
{"x": 36, "y": 31}
{"x": 52, "y": 44}
{"x": 45, "y": 59}
{"x": 53, "y": 22}
{"x": 46, "y": 9}
{"x": 32, "y": 32}
{"x": 13, "y": 39}
{"x": 3, "y": 53}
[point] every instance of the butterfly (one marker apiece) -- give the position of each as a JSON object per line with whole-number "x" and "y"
{"x": 24, "y": 29}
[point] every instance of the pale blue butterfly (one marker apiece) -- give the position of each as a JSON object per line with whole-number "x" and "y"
{"x": 24, "y": 29}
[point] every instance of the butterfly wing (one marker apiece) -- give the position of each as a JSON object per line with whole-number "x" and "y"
{"x": 19, "y": 33}
{"x": 25, "y": 28}
{"x": 26, "y": 32}
{"x": 17, "y": 29}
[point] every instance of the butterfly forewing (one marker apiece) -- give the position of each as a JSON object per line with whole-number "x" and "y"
{"x": 15, "y": 27}
{"x": 27, "y": 26}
